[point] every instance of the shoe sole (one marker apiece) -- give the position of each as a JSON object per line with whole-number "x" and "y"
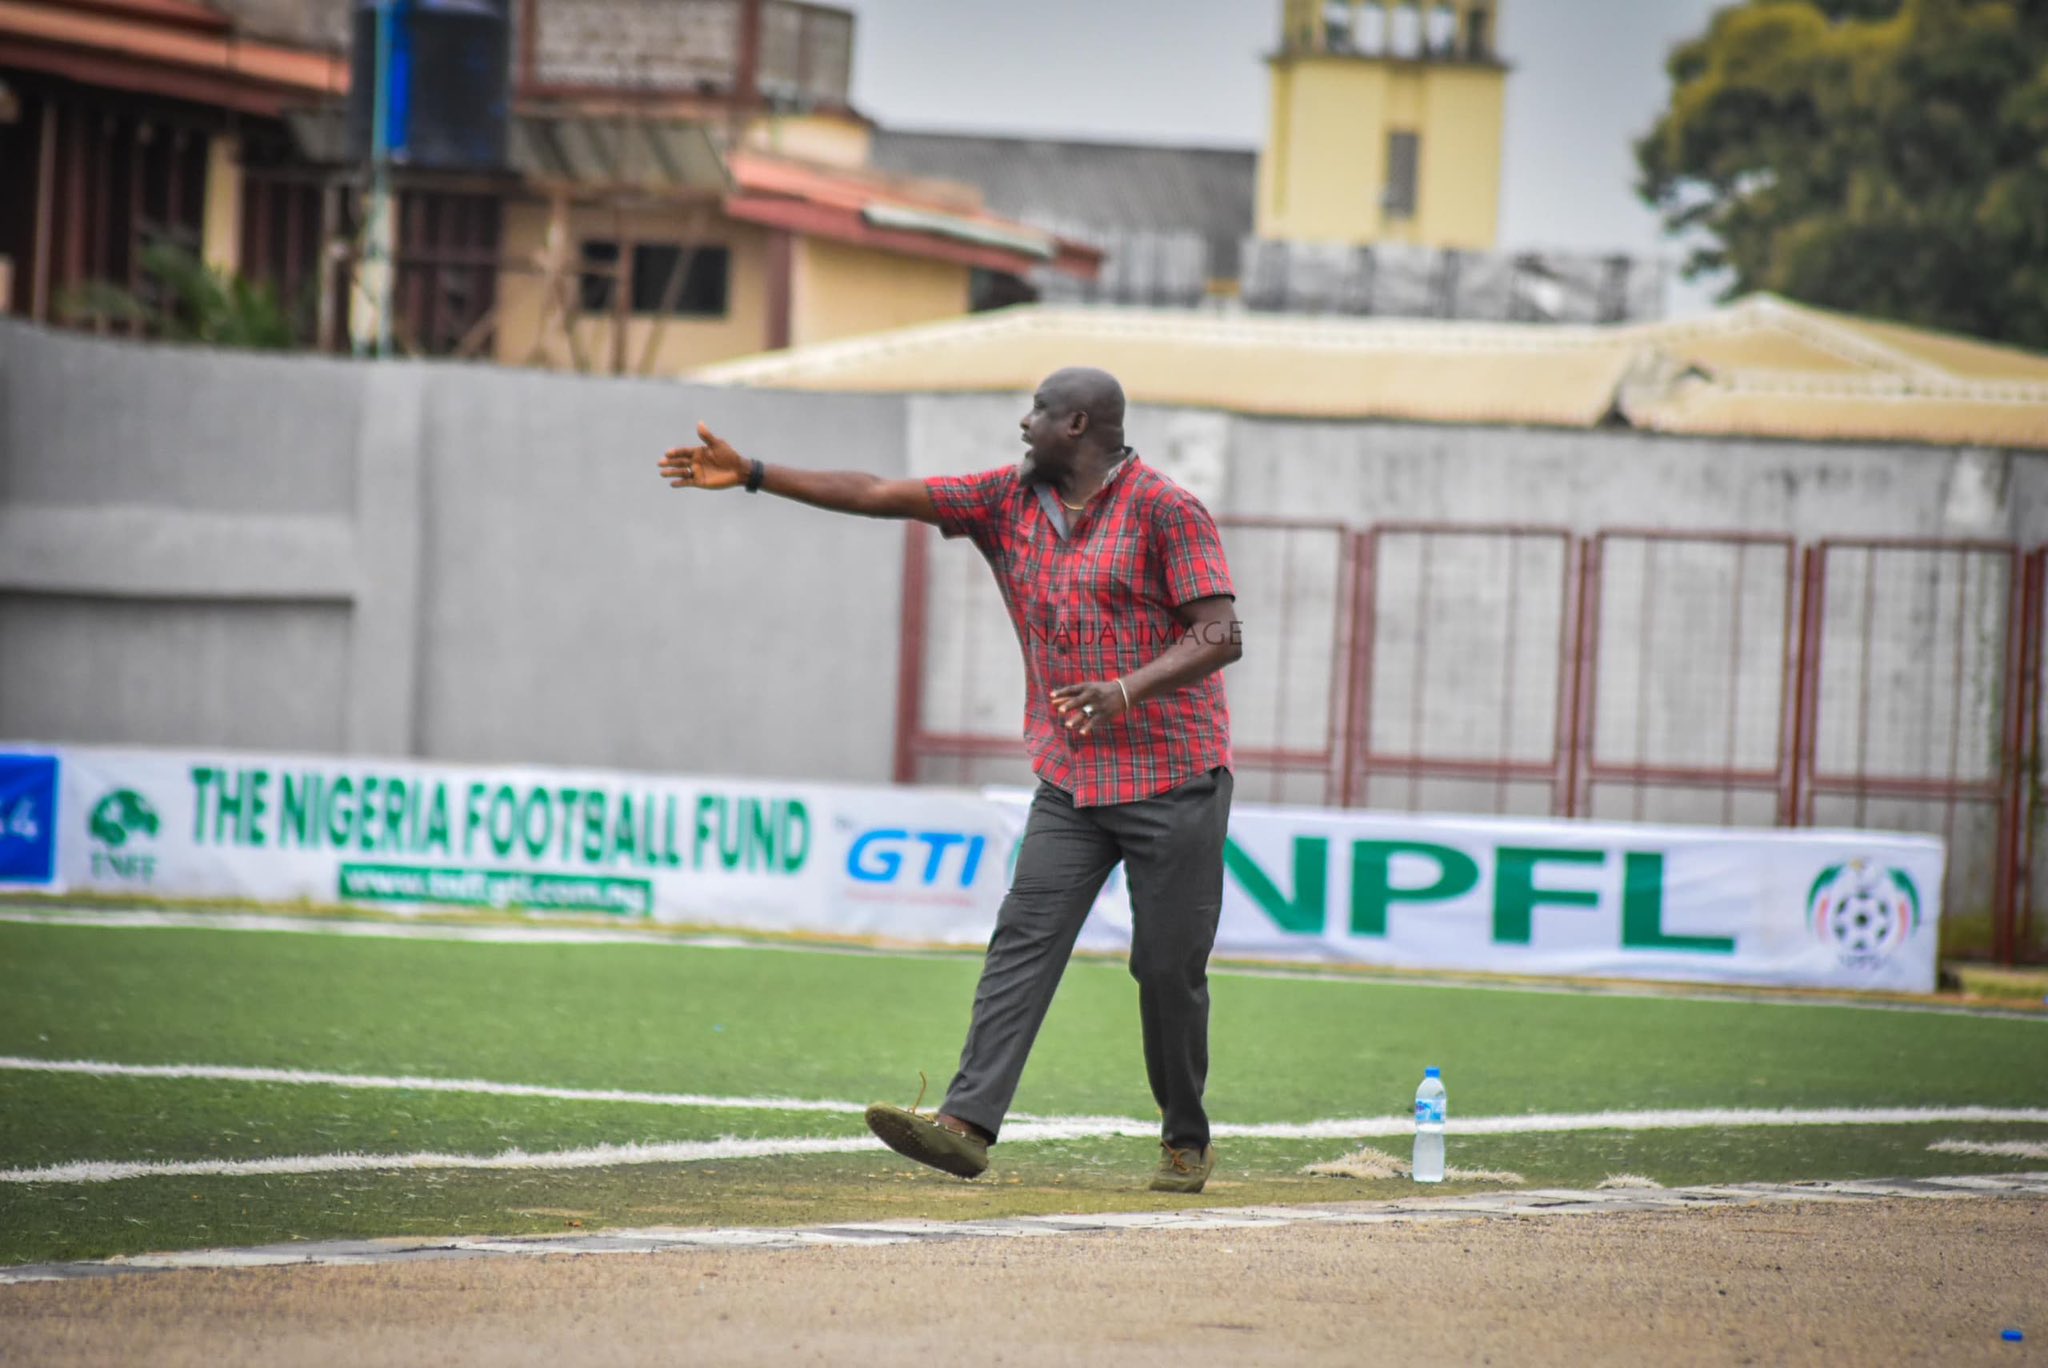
{"x": 907, "y": 1135}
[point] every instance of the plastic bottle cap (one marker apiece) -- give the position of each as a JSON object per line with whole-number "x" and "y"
{"x": 1432, "y": 1072}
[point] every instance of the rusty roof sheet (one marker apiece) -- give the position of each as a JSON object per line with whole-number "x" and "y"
{"x": 589, "y": 151}
{"x": 1762, "y": 367}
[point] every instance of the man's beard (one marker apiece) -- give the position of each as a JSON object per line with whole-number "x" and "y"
{"x": 1030, "y": 472}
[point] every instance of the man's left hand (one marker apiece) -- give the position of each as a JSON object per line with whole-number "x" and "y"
{"x": 1083, "y": 707}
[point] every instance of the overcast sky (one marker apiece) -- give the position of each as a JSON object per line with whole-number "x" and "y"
{"x": 1588, "y": 78}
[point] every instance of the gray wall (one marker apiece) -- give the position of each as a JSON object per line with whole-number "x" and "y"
{"x": 419, "y": 559}
{"x": 470, "y": 563}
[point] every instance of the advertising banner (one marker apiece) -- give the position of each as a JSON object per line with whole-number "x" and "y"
{"x": 405, "y": 836}
{"x": 1796, "y": 907}
{"x": 1838, "y": 909}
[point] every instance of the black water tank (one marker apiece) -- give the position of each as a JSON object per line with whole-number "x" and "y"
{"x": 450, "y": 72}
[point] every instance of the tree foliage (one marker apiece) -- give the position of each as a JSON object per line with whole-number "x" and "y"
{"x": 186, "y": 300}
{"x": 1883, "y": 157}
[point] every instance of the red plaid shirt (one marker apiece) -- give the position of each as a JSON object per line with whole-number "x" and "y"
{"x": 1096, "y": 605}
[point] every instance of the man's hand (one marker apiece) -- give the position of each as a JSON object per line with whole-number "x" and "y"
{"x": 715, "y": 465}
{"x": 1083, "y": 707}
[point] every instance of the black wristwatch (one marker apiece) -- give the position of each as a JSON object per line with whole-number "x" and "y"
{"x": 756, "y": 472}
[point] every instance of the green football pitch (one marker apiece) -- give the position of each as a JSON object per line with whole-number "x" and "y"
{"x": 772, "y": 1047}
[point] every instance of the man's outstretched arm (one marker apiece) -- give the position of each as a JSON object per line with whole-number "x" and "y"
{"x": 715, "y": 465}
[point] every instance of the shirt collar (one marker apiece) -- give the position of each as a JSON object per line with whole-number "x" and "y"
{"x": 1056, "y": 509}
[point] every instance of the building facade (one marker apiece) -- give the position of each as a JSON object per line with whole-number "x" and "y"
{"x": 1384, "y": 125}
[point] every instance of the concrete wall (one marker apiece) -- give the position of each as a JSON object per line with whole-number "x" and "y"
{"x": 418, "y": 559}
{"x": 475, "y": 563}
{"x": 1691, "y": 669}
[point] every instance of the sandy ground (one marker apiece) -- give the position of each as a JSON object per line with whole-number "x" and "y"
{"x": 1852, "y": 1283}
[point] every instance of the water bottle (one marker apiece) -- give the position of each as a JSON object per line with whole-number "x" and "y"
{"x": 1429, "y": 1128}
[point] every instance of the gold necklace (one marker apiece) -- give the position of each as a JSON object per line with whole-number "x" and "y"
{"x": 1081, "y": 507}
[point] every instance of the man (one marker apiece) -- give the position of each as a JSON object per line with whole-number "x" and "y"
{"x": 1116, "y": 583}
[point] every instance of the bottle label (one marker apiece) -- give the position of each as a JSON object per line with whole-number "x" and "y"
{"x": 1429, "y": 1113}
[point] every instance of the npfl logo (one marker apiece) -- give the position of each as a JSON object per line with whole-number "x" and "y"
{"x": 1863, "y": 910}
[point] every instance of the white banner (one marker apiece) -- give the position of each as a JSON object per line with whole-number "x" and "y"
{"x": 1818, "y": 908}
{"x": 1834, "y": 909}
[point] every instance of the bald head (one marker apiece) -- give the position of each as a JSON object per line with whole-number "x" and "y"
{"x": 1095, "y": 393}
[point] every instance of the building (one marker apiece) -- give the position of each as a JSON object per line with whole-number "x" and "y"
{"x": 1385, "y": 125}
{"x": 1376, "y": 191}
{"x": 1762, "y": 368}
{"x": 686, "y": 182}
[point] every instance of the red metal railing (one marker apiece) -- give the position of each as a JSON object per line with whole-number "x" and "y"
{"x": 1453, "y": 727}
{"x": 1687, "y": 692}
{"x": 1911, "y": 679}
{"x": 955, "y": 723}
{"x": 2027, "y": 941}
{"x": 1709, "y": 678}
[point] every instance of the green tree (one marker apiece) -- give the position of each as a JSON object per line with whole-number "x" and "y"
{"x": 186, "y": 300}
{"x": 1882, "y": 157}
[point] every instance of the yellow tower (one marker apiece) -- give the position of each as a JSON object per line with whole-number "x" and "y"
{"x": 1385, "y": 124}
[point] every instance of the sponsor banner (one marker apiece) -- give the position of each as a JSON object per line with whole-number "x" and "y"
{"x": 1818, "y": 908}
{"x": 403, "y": 836}
{"x": 28, "y": 820}
{"x": 1835, "y": 909}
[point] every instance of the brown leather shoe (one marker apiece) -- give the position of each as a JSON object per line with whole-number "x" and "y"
{"x": 1183, "y": 1170}
{"x": 925, "y": 1140}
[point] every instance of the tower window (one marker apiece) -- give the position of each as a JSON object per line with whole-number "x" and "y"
{"x": 1442, "y": 32}
{"x": 1404, "y": 157}
{"x": 1337, "y": 16}
{"x": 1478, "y": 42}
{"x": 1369, "y": 31}
{"x": 1407, "y": 37}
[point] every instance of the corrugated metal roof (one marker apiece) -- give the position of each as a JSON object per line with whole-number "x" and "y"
{"x": 321, "y": 24}
{"x": 1761, "y": 368}
{"x": 649, "y": 155}
{"x": 1091, "y": 190}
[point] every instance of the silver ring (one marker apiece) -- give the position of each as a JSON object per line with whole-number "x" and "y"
{"x": 1087, "y": 710}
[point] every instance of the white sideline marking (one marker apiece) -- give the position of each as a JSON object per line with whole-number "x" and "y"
{"x": 1683, "y": 991}
{"x": 1546, "y": 1204}
{"x": 2017, "y": 1149}
{"x": 596, "y": 1156}
{"x": 229, "y": 1073}
{"x": 1076, "y": 1128}
{"x": 1024, "y": 1126}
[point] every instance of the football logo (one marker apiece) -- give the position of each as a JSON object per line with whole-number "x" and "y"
{"x": 1863, "y": 910}
{"x": 120, "y": 815}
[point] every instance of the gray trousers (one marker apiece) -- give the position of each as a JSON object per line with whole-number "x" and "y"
{"x": 1172, "y": 849}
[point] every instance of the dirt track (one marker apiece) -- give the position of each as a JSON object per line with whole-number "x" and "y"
{"x": 1870, "y": 1282}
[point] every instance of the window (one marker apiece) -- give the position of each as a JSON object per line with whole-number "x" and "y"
{"x": 1404, "y": 157}
{"x": 1406, "y": 39}
{"x": 1442, "y": 31}
{"x": 667, "y": 278}
{"x": 1371, "y": 34}
{"x": 1478, "y": 43}
{"x": 1337, "y": 26}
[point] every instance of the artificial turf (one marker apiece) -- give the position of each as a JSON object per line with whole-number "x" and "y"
{"x": 802, "y": 1023}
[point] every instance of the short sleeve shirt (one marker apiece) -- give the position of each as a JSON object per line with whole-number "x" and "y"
{"x": 1093, "y": 602}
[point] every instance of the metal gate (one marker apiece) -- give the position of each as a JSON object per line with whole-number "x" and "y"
{"x": 1909, "y": 683}
{"x": 1709, "y": 678}
{"x": 960, "y": 699}
{"x": 1461, "y": 681}
{"x": 1687, "y": 650}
